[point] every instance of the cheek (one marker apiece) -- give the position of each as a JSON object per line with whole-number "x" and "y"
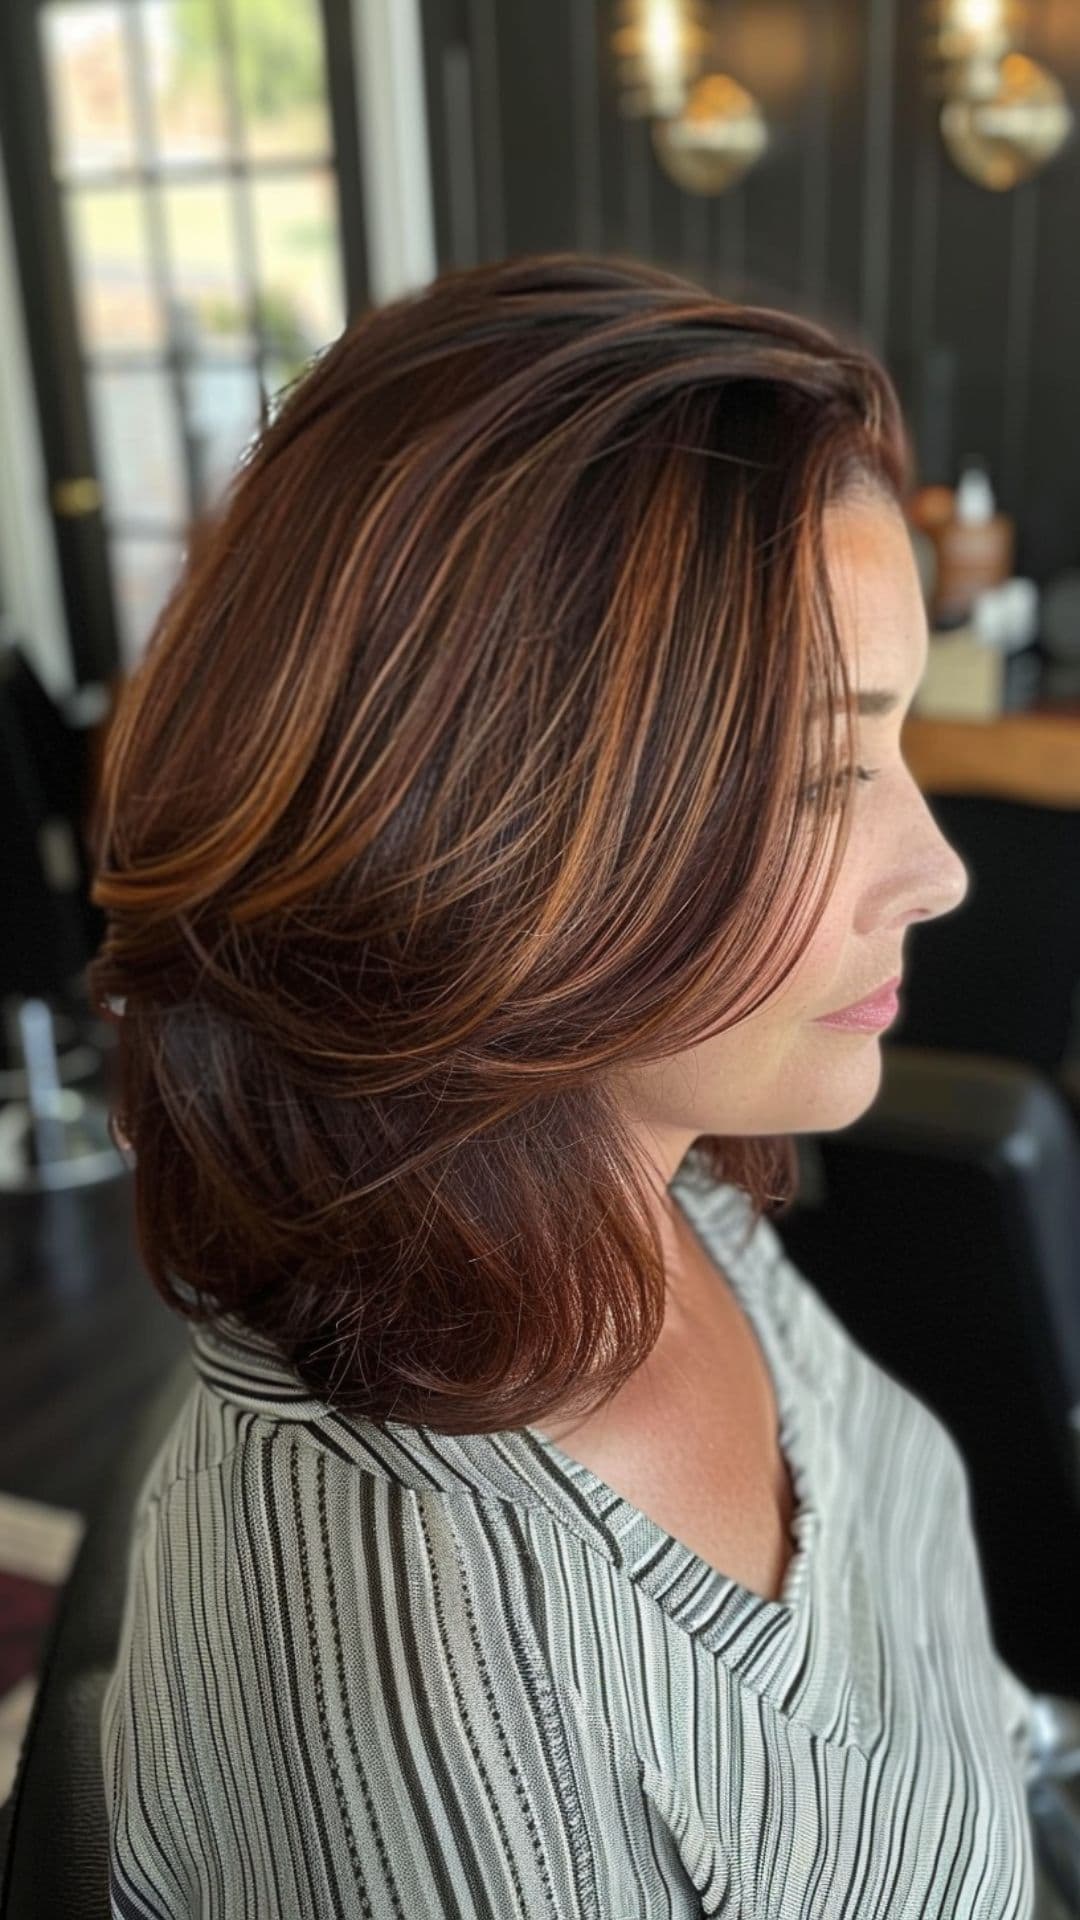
{"x": 825, "y": 969}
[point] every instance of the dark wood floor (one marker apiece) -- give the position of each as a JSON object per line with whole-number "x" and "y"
{"x": 84, "y": 1338}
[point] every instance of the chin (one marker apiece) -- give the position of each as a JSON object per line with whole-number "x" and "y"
{"x": 839, "y": 1099}
{"x": 845, "y": 1111}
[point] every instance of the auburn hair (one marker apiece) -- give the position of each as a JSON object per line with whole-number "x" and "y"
{"x": 466, "y": 765}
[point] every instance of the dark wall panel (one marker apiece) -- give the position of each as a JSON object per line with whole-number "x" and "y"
{"x": 770, "y": 50}
{"x": 533, "y": 64}
{"x": 855, "y": 215}
{"x": 842, "y": 49}
{"x": 1049, "y": 487}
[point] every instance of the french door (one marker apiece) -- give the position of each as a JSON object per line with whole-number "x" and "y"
{"x": 184, "y": 180}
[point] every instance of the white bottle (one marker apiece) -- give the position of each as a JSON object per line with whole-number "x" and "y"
{"x": 974, "y": 504}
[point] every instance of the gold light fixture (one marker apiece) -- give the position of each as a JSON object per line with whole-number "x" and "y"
{"x": 660, "y": 48}
{"x": 972, "y": 37}
{"x": 718, "y": 136}
{"x": 1008, "y": 136}
{"x": 1004, "y": 115}
{"x": 708, "y": 131}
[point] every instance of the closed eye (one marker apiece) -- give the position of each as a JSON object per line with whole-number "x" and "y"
{"x": 811, "y": 792}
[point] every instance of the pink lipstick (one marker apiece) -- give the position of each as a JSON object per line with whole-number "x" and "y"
{"x": 869, "y": 1015}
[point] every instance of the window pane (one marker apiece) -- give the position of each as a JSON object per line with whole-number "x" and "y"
{"x": 142, "y": 571}
{"x": 138, "y": 445}
{"x": 90, "y": 111}
{"x": 223, "y": 414}
{"x": 204, "y": 270}
{"x": 114, "y": 289}
{"x": 281, "y": 79}
{"x": 187, "y": 84}
{"x": 299, "y": 249}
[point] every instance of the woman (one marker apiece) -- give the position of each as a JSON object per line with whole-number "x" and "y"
{"x": 484, "y": 836}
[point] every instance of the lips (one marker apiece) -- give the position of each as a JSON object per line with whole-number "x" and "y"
{"x": 880, "y": 996}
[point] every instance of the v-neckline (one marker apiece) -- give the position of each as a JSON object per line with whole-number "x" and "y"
{"x": 711, "y": 1603}
{"x": 764, "y": 1640}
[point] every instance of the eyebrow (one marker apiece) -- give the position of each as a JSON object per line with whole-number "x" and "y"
{"x": 870, "y": 702}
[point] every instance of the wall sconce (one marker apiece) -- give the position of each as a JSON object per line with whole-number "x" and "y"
{"x": 660, "y": 47}
{"x": 707, "y": 129}
{"x": 1003, "y": 139}
{"x": 972, "y": 37}
{"x": 1004, "y": 116}
{"x": 718, "y": 136}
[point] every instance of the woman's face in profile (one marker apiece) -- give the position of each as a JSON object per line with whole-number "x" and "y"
{"x": 779, "y": 1071}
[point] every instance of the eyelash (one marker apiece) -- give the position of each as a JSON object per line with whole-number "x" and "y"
{"x": 861, "y": 773}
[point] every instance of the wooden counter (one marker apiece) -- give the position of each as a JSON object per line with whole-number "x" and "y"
{"x": 1032, "y": 756}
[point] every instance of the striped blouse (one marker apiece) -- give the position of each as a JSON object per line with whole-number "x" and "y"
{"x": 403, "y": 1675}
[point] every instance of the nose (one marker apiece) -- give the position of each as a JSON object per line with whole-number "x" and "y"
{"x": 946, "y": 879}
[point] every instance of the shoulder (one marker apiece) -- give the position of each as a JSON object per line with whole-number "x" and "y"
{"x": 331, "y": 1689}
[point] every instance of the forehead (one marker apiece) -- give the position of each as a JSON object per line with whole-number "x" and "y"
{"x": 877, "y": 596}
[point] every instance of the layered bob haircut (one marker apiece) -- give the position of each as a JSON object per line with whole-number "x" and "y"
{"x": 468, "y": 764}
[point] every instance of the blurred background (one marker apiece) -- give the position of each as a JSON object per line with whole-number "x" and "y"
{"x": 195, "y": 196}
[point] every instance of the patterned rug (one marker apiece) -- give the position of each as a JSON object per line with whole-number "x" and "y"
{"x": 37, "y": 1546}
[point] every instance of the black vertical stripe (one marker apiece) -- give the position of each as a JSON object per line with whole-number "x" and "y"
{"x": 877, "y": 210}
{"x": 588, "y": 202}
{"x": 814, "y": 255}
{"x": 488, "y": 96}
{"x": 1015, "y": 386}
{"x": 275, "y": 1496}
{"x": 426, "y": 1817}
